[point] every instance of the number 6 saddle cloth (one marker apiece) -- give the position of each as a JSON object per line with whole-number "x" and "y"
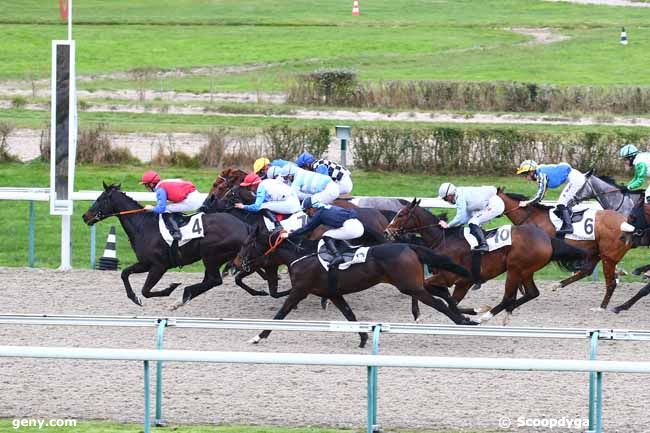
{"x": 191, "y": 227}
{"x": 583, "y": 220}
{"x": 496, "y": 238}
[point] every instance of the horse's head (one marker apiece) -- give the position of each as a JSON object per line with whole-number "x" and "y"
{"x": 229, "y": 178}
{"x": 239, "y": 194}
{"x": 404, "y": 221}
{"x": 104, "y": 206}
{"x": 252, "y": 253}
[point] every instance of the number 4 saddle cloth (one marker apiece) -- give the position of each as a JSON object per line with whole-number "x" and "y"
{"x": 191, "y": 227}
{"x": 583, "y": 220}
{"x": 496, "y": 238}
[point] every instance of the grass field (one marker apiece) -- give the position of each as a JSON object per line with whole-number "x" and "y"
{"x": 428, "y": 39}
{"x": 14, "y": 214}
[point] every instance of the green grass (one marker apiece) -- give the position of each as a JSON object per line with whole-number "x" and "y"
{"x": 14, "y": 214}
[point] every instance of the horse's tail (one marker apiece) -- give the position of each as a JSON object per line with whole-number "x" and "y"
{"x": 433, "y": 260}
{"x": 567, "y": 256}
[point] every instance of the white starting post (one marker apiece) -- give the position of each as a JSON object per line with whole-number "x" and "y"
{"x": 63, "y": 137}
{"x": 343, "y": 134}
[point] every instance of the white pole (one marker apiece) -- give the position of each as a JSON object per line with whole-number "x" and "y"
{"x": 69, "y": 20}
{"x": 66, "y": 243}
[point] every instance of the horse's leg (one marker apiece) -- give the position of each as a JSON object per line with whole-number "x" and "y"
{"x": 443, "y": 293}
{"x": 272, "y": 279}
{"x": 415, "y": 309}
{"x": 422, "y": 295}
{"x": 154, "y": 275}
{"x": 460, "y": 290}
{"x": 582, "y": 273}
{"x": 509, "y": 296}
{"x": 640, "y": 270}
{"x": 530, "y": 292}
{"x": 609, "y": 271}
{"x": 211, "y": 278}
{"x": 645, "y": 291}
{"x": 239, "y": 281}
{"x": 347, "y": 312}
{"x": 296, "y": 295}
{"x": 136, "y": 268}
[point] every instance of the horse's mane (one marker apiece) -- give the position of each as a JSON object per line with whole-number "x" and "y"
{"x": 611, "y": 181}
{"x": 117, "y": 187}
{"x": 521, "y": 197}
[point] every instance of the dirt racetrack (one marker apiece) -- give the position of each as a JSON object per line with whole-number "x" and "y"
{"x": 299, "y": 396}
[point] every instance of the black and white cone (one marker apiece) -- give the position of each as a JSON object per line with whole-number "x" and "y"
{"x": 623, "y": 36}
{"x": 108, "y": 261}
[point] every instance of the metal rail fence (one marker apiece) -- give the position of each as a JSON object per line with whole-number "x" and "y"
{"x": 376, "y": 329}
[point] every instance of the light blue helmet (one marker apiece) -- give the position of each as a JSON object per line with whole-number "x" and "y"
{"x": 273, "y": 172}
{"x": 305, "y": 159}
{"x": 628, "y": 151}
{"x": 289, "y": 170}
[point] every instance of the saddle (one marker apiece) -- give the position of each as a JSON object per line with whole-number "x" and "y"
{"x": 352, "y": 254}
{"x": 576, "y": 216}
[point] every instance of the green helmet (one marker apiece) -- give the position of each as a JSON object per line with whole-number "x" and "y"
{"x": 628, "y": 151}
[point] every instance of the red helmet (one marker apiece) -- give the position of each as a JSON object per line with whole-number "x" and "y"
{"x": 251, "y": 179}
{"x": 150, "y": 177}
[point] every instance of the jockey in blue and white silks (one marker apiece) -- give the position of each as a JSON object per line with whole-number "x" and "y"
{"x": 475, "y": 205}
{"x": 306, "y": 183}
{"x": 336, "y": 172}
{"x": 553, "y": 176}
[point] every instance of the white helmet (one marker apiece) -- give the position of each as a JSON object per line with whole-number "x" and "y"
{"x": 273, "y": 172}
{"x": 446, "y": 189}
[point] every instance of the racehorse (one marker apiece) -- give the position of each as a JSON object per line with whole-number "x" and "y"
{"x": 531, "y": 249}
{"x": 223, "y": 237}
{"x": 400, "y": 265}
{"x": 607, "y": 245}
{"x": 608, "y": 194}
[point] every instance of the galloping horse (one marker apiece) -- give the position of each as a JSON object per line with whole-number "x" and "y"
{"x": 607, "y": 245}
{"x": 531, "y": 249}
{"x": 608, "y": 194}
{"x": 400, "y": 265}
{"x": 223, "y": 237}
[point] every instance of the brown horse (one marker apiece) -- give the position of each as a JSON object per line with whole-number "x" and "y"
{"x": 607, "y": 247}
{"x": 531, "y": 249}
{"x": 400, "y": 265}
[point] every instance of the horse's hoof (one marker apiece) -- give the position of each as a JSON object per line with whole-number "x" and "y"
{"x": 485, "y": 317}
{"x": 176, "y": 305}
{"x": 255, "y": 340}
{"x": 614, "y": 310}
{"x": 506, "y": 319}
{"x": 482, "y": 309}
{"x": 597, "y": 309}
{"x": 136, "y": 300}
{"x": 555, "y": 287}
{"x": 476, "y": 286}
{"x": 260, "y": 293}
{"x": 636, "y": 271}
{"x": 362, "y": 343}
{"x": 621, "y": 272}
{"x": 420, "y": 319}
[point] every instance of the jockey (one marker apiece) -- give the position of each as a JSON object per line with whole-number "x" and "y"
{"x": 474, "y": 205}
{"x": 172, "y": 195}
{"x": 641, "y": 163}
{"x": 552, "y": 176}
{"x": 344, "y": 226}
{"x": 310, "y": 184}
{"x": 261, "y": 165}
{"x": 338, "y": 173}
{"x": 272, "y": 195}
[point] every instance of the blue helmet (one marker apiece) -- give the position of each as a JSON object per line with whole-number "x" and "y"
{"x": 306, "y": 203}
{"x": 305, "y": 159}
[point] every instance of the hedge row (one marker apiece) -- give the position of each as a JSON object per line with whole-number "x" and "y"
{"x": 344, "y": 89}
{"x": 486, "y": 151}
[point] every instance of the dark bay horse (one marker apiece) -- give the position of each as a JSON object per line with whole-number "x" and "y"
{"x": 607, "y": 247}
{"x": 530, "y": 251}
{"x": 223, "y": 237}
{"x": 400, "y": 265}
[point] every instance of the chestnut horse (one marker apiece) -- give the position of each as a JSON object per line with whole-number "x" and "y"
{"x": 607, "y": 247}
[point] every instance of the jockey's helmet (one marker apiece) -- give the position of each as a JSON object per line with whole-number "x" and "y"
{"x": 305, "y": 159}
{"x": 251, "y": 179}
{"x": 260, "y": 164}
{"x": 446, "y": 189}
{"x": 527, "y": 166}
{"x": 628, "y": 151}
{"x": 150, "y": 176}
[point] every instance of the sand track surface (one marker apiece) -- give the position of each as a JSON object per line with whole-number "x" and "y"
{"x": 280, "y": 395}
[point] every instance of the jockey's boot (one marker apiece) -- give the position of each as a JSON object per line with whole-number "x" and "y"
{"x": 565, "y": 214}
{"x": 337, "y": 259}
{"x": 172, "y": 226}
{"x": 478, "y": 233}
{"x": 271, "y": 216}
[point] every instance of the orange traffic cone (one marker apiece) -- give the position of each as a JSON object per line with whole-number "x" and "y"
{"x": 355, "y": 8}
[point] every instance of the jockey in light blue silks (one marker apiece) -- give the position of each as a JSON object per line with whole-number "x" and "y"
{"x": 338, "y": 173}
{"x": 553, "y": 176}
{"x": 474, "y": 205}
{"x": 319, "y": 187}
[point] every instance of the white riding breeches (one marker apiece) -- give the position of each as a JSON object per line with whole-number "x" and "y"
{"x": 288, "y": 206}
{"x": 495, "y": 207}
{"x": 351, "y": 229}
{"x": 575, "y": 182}
{"x": 345, "y": 184}
{"x": 192, "y": 202}
{"x": 328, "y": 195}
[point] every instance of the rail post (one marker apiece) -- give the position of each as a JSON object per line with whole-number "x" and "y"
{"x": 158, "y": 421}
{"x": 147, "y": 399}
{"x": 592, "y": 382}
{"x": 599, "y": 402}
{"x": 31, "y": 233}
{"x": 372, "y": 383}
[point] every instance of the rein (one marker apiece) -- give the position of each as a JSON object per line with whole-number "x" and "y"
{"x": 273, "y": 245}
{"x": 126, "y": 212}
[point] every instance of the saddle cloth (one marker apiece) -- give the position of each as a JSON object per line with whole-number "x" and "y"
{"x": 191, "y": 228}
{"x": 351, "y": 254}
{"x": 496, "y": 238}
{"x": 583, "y": 221}
{"x": 291, "y": 222}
